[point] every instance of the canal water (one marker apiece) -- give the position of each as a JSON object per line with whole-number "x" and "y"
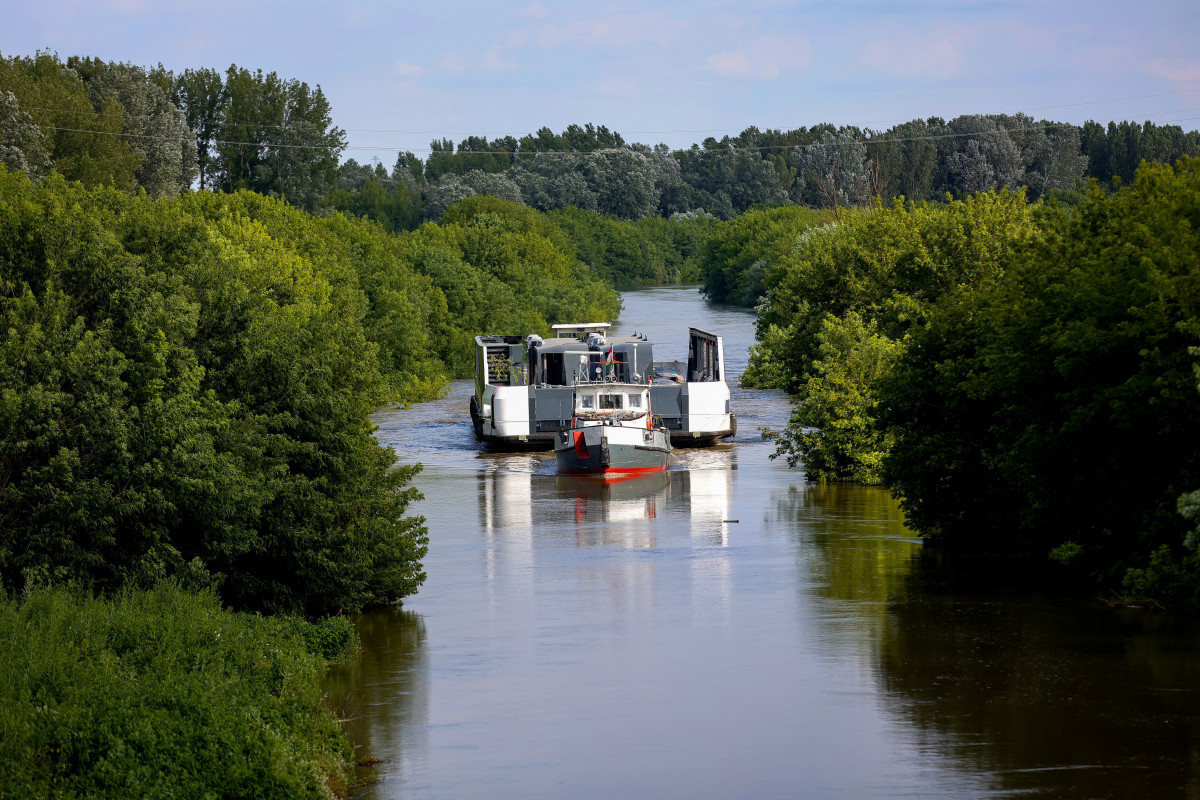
{"x": 728, "y": 630}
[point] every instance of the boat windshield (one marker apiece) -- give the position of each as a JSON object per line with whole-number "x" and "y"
{"x": 611, "y": 401}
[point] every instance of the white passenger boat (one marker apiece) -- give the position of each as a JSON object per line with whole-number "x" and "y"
{"x": 525, "y": 386}
{"x": 612, "y": 433}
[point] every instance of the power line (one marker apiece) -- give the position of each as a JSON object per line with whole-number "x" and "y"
{"x": 869, "y": 140}
{"x": 729, "y": 130}
{"x": 252, "y": 124}
{"x": 880, "y": 139}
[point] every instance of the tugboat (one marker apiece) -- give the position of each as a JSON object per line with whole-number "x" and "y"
{"x": 525, "y": 386}
{"x": 612, "y": 433}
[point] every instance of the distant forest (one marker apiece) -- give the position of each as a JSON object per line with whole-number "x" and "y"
{"x": 111, "y": 123}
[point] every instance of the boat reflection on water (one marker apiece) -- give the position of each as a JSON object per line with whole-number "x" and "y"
{"x": 537, "y": 507}
{"x": 604, "y": 512}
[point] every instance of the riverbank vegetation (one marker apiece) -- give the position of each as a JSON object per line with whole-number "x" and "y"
{"x": 1022, "y": 376}
{"x": 162, "y": 693}
{"x": 1053, "y": 409}
{"x": 197, "y": 374}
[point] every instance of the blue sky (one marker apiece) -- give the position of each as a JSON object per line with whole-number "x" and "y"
{"x": 401, "y": 74}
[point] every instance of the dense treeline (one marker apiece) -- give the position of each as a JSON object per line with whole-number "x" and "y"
{"x": 185, "y": 384}
{"x": 840, "y": 305}
{"x": 651, "y": 251}
{"x": 824, "y": 167}
{"x": 738, "y": 252}
{"x": 1055, "y": 407}
{"x": 165, "y": 694}
{"x": 186, "y": 387}
{"x": 1023, "y": 376}
{"x": 109, "y": 123}
{"x": 101, "y": 122}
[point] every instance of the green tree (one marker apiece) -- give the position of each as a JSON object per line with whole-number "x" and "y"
{"x": 1055, "y": 409}
{"x": 833, "y": 172}
{"x": 157, "y": 131}
{"x": 185, "y": 390}
{"x": 833, "y": 431}
{"x": 277, "y": 138}
{"x": 200, "y": 94}
{"x": 85, "y": 143}
{"x": 22, "y": 141}
{"x": 854, "y": 292}
{"x": 738, "y": 253}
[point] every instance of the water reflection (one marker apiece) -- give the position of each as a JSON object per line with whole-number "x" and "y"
{"x": 383, "y": 694}
{"x": 854, "y": 541}
{"x": 988, "y": 668}
{"x": 1046, "y": 695}
{"x": 606, "y": 513}
{"x": 520, "y": 505}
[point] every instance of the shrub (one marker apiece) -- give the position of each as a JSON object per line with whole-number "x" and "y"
{"x": 162, "y": 694}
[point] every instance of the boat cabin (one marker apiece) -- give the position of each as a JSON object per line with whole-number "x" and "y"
{"x": 527, "y": 387}
{"x": 610, "y": 403}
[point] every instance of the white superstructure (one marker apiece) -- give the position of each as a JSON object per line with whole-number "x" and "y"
{"x": 525, "y": 386}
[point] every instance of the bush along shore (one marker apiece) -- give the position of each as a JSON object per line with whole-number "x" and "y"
{"x": 1022, "y": 376}
{"x": 163, "y": 693}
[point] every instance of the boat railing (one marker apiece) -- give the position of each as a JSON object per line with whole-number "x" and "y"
{"x": 618, "y": 415}
{"x": 585, "y": 380}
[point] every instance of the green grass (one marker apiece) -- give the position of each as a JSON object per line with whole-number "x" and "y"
{"x": 162, "y": 693}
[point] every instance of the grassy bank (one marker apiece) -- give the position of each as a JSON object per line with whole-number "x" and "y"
{"x": 163, "y": 693}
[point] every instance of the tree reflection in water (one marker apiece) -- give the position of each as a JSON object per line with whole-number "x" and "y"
{"x": 999, "y": 670}
{"x": 1051, "y": 696}
{"x": 383, "y": 692}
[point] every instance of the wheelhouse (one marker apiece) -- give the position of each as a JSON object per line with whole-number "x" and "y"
{"x": 611, "y": 402}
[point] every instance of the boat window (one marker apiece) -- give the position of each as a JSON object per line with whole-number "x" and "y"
{"x": 635, "y": 401}
{"x": 588, "y": 401}
{"x": 611, "y": 401}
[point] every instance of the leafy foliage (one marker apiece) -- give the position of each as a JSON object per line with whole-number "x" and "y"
{"x": 163, "y": 694}
{"x": 841, "y": 304}
{"x": 184, "y": 391}
{"x": 833, "y": 431}
{"x": 651, "y": 251}
{"x": 1059, "y": 403}
{"x": 888, "y": 265}
{"x": 156, "y": 129}
{"x": 502, "y": 267}
{"x": 738, "y": 253}
{"x": 81, "y": 140}
{"x": 276, "y": 137}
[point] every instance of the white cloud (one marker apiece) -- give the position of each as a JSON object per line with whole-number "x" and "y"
{"x": 408, "y": 69}
{"x": 937, "y": 54}
{"x": 1030, "y": 38}
{"x": 452, "y": 63}
{"x": 536, "y": 10}
{"x": 729, "y": 65}
{"x": 501, "y": 54}
{"x": 767, "y": 57}
{"x": 616, "y": 30}
{"x": 1175, "y": 70}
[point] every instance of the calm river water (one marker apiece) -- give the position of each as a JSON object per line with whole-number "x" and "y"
{"x": 727, "y": 630}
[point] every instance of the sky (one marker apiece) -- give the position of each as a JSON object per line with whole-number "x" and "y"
{"x": 401, "y": 74}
